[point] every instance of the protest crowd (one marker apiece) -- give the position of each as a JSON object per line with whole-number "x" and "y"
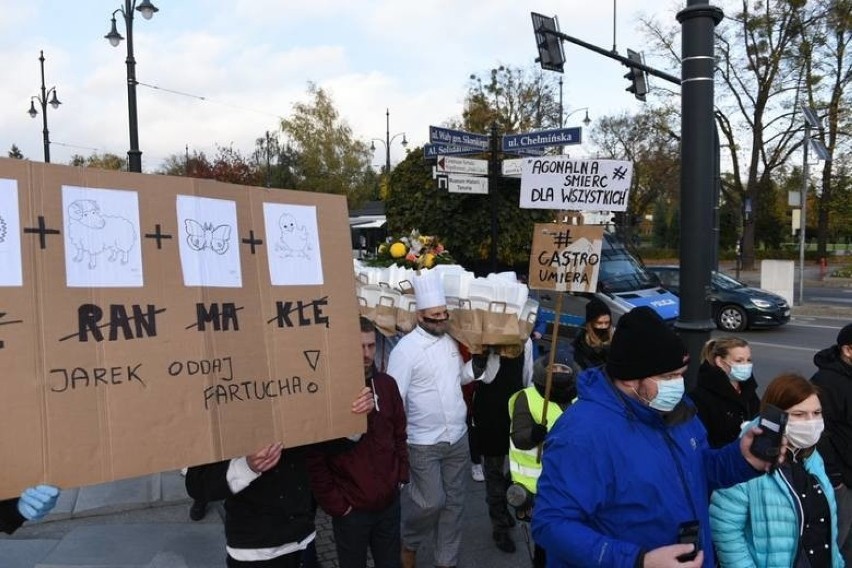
{"x": 592, "y": 448}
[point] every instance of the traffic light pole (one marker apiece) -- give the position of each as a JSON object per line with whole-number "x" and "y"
{"x": 626, "y": 61}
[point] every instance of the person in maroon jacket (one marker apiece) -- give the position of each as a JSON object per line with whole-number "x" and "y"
{"x": 357, "y": 480}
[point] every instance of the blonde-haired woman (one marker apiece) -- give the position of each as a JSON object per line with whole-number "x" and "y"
{"x": 726, "y": 392}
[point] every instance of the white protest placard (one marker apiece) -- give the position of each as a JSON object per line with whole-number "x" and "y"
{"x": 559, "y": 182}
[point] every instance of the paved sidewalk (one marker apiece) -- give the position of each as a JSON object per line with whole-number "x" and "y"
{"x": 144, "y": 523}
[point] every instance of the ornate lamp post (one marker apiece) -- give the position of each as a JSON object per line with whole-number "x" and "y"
{"x": 147, "y": 9}
{"x": 43, "y": 102}
{"x": 387, "y": 142}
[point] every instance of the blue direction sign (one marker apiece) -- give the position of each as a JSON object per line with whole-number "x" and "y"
{"x": 432, "y": 151}
{"x": 542, "y": 138}
{"x": 438, "y": 135}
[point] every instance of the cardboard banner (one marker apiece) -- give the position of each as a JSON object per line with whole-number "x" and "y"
{"x": 565, "y": 258}
{"x": 149, "y": 323}
{"x": 558, "y": 182}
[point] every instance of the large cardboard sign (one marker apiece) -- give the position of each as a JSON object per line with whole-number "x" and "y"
{"x": 150, "y": 322}
{"x": 558, "y": 182}
{"x": 565, "y": 258}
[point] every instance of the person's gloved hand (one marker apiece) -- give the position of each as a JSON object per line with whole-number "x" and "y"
{"x": 539, "y": 433}
{"x": 36, "y": 502}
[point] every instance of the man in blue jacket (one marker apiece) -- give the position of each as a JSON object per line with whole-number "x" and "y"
{"x": 628, "y": 464}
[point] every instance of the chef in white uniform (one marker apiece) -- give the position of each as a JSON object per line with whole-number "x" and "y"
{"x": 429, "y": 371}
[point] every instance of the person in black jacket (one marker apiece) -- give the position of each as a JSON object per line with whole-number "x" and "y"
{"x": 834, "y": 379}
{"x": 269, "y": 509}
{"x": 492, "y": 423}
{"x": 591, "y": 346}
{"x": 726, "y": 391}
{"x": 33, "y": 504}
{"x": 356, "y": 480}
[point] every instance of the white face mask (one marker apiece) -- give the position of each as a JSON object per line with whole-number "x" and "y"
{"x": 803, "y": 434}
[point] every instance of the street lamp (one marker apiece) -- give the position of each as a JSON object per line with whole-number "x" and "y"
{"x": 586, "y": 121}
{"x": 387, "y": 142}
{"x": 147, "y": 9}
{"x": 43, "y": 102}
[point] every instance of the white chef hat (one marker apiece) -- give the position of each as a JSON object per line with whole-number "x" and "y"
{"x": 429, "y": 290}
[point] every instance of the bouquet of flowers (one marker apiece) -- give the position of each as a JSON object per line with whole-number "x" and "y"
{"x": 413, "y": 251}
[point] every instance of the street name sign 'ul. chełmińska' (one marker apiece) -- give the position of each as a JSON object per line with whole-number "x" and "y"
{"x": 558, "y": 182}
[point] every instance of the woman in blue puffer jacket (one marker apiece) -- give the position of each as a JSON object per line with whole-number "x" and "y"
{"x": 788, "y": 518}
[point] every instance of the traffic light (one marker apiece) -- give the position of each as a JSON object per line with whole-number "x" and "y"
{"x": 550, "y": 53}
{"x": 638, "y": 78}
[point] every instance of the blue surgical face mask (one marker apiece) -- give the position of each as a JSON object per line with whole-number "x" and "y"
{"x": 741, "y": 371}
{"x": 669, "y": 393}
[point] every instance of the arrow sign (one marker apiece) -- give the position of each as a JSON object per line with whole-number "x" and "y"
{"x": 542, "y": 138}
{"x": 438, "y": 135}
{"x": 449, "y": 164}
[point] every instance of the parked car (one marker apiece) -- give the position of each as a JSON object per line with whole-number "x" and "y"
{"x": 735, "y": 306}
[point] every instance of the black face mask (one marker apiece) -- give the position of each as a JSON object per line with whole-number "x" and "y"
{"x": 603, "y": 334}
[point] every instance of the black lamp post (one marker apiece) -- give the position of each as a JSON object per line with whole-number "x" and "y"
{"x": 147, "y": 9}
{"x": 43, "y": 102}
{"x": 387, "y": 142}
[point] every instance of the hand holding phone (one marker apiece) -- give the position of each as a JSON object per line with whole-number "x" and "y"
{"x": 767, "y": 444}
{"x": 689, "y": 533}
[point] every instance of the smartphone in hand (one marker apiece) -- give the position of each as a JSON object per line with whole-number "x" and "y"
{"x": 767, "y": 444}
{"x": 689, "y": 533}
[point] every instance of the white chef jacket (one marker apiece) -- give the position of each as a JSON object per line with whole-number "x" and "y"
{"x": 429, "y": 372}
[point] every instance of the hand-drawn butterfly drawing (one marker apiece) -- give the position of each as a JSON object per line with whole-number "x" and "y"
{"x": 2, "y": 230}
{"x": 201, "y": 236}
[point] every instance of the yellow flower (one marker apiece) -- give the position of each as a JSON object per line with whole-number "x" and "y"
{"x": 398, "y": 250}
{"x": 428, "y": 260}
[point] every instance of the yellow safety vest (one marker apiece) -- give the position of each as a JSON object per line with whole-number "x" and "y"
{"x": 522, "y": 463}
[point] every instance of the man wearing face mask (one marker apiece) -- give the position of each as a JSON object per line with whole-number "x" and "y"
{"x": 591, "y": 346}
{"x": 789, "y": 517}
{"x": 627, "y": 467}
{"x": 834, "y": 379}
{"x": 726, "y": 391}
{"x": 429, "y": 372}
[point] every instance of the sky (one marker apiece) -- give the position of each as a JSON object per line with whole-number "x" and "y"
{"x": 244, "y": 64}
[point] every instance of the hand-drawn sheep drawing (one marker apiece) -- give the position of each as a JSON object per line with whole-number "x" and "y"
{"x": 294, "y": 238}
{"x": 92, "y": 232}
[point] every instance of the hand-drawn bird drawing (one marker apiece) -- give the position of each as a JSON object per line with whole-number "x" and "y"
{"x": 294, "y": 238}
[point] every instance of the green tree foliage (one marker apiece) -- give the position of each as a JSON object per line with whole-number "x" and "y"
{"x": 15, "y": 152}
{"x": 105, "y": 161}
{"x": 517, "y": 99}
{"x": 327, "y": 156}
{"x": 463, "y": 222}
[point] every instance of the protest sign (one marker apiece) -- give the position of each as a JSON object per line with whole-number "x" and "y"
{"x": 565, "y": 258}
{"x": 558, "y": 182}
{"x": 155, "y": 322}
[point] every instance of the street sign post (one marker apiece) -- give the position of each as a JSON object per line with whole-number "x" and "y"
{"x": 542, "y": 138}
{"x": 438, "y": 135}
{"x": 467, "y": 184}
{"x": 451, "y": 165}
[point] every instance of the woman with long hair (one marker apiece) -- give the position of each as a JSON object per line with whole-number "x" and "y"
{"x": 726, "y": 391}
{"x": 787, "y": 517}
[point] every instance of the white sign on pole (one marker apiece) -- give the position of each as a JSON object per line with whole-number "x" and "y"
{"x": 467, "y": 184}
{"x": 512, "y": 167}
{"x": 452, "y": 165}
{"x": 558, "y": 182}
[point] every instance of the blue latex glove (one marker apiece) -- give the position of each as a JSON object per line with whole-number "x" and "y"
{"x": 36, "y": 502}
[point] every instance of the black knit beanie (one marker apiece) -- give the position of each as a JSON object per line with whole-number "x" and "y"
{"x": 595, "y": 309}
{"x": 644, "y": 346}
{"x": 845, "y": 336}
{"x": 564, "y": 356}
